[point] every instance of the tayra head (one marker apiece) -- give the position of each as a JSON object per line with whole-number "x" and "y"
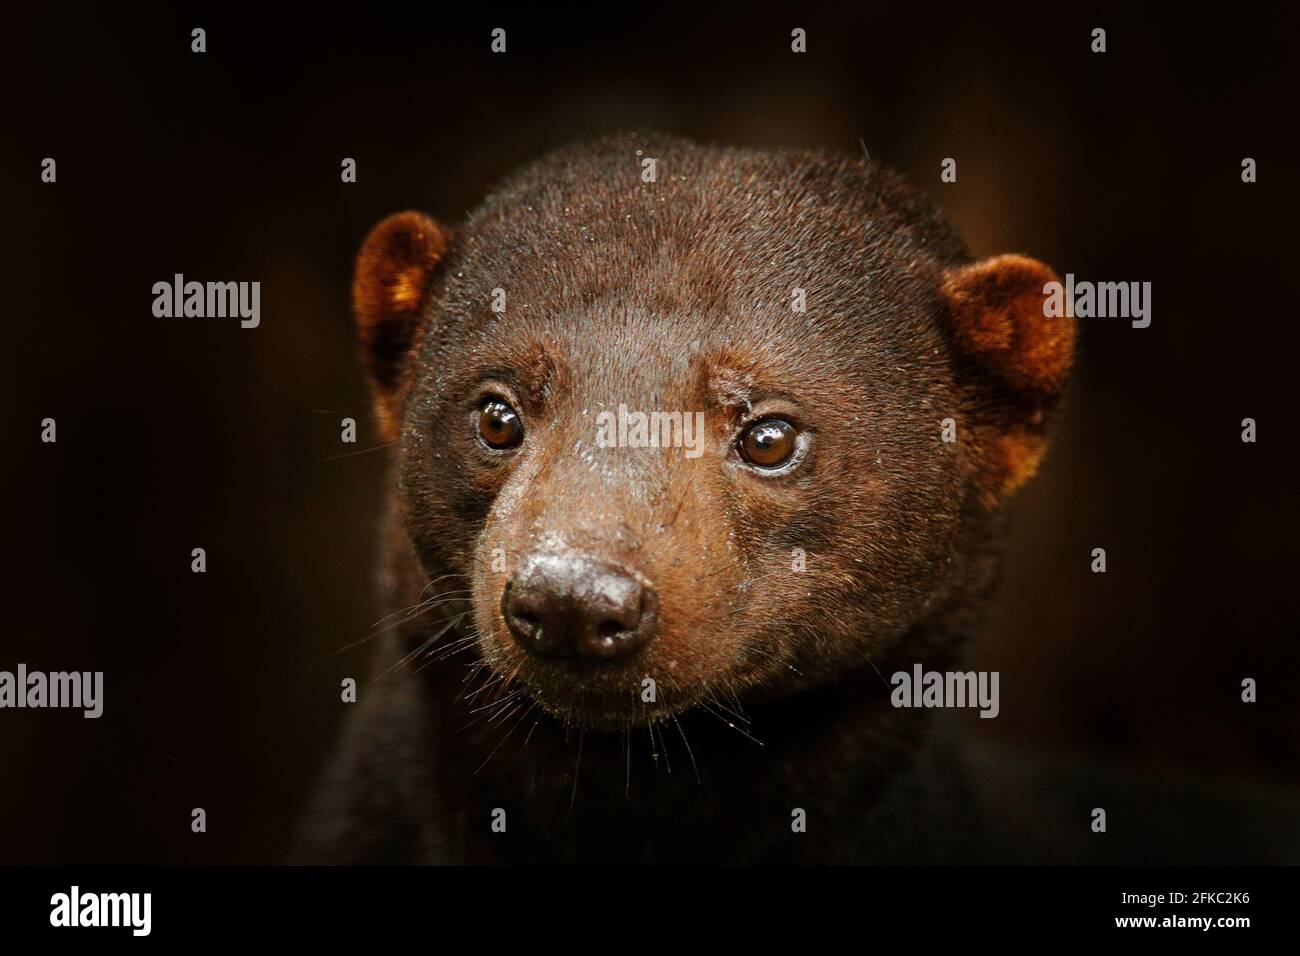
{"x": 717, "y": 429}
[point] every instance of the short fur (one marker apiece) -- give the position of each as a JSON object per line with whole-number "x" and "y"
{"x": 772, "y": 689}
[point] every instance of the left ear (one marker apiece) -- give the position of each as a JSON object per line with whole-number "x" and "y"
{"x": 996, "y": 313}
{"x": 394, "y": 270}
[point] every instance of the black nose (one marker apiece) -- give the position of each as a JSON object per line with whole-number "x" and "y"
{"x": 575, "y": 606}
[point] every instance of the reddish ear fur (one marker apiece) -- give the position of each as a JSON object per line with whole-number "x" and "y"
{"x": 996, "y": 315}
{"x": 996, "y": 311}
{"x": 394, "y": 269}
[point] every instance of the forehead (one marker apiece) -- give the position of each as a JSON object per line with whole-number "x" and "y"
{"x": 780, "y": 265}
{"x": 611, "y": 352}
{"x": 713, "y": 224}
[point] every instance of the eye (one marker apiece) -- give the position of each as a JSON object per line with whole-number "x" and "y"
{"x": 499, "y": 425}
{"x": 769, "y": 443}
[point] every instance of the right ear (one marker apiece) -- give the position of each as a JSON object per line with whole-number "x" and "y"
{"x": 394, "y": 271}
{"x": 995, "y": 310}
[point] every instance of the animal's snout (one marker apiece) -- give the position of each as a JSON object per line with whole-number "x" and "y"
{"x": 579, "y": 607}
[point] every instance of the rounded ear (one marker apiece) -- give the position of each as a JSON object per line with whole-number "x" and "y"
{"x": 998, "y": 310}
{"x": 1004, "y": 319}
{"x": 394, "y": 271}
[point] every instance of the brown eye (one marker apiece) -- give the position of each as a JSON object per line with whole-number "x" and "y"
{"x": 768, "y": 444}
{"x": 499, "y": 425}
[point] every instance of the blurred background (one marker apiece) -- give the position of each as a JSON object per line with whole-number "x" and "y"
{"x": 176, "y": 434}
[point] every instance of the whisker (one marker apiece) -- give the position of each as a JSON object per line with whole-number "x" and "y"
{"x": 505, "y": 711}
{"x": 780, "y": 660}
{"x": 723, "y": 707}
{"x": 392, "y": 627}
{"x": 495, "y": 704}
{"x": 661, "y": 744}
{"x": 740, "y": 730}
{"x": 443, "y": 577}
{"x": 501, "y": 741}
{"x": 573, "y": 795}
{"x": 529, "y": 735}
{"x": 756, "y": 578}
{"x": 350, "y": 454}
{"x": 411, "y": 656}
{"x": 689, "y": 753}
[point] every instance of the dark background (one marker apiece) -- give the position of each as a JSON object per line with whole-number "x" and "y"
{"x": 175, "y": 434}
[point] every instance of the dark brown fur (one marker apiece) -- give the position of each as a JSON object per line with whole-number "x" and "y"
{"x": 773, "y": 690}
